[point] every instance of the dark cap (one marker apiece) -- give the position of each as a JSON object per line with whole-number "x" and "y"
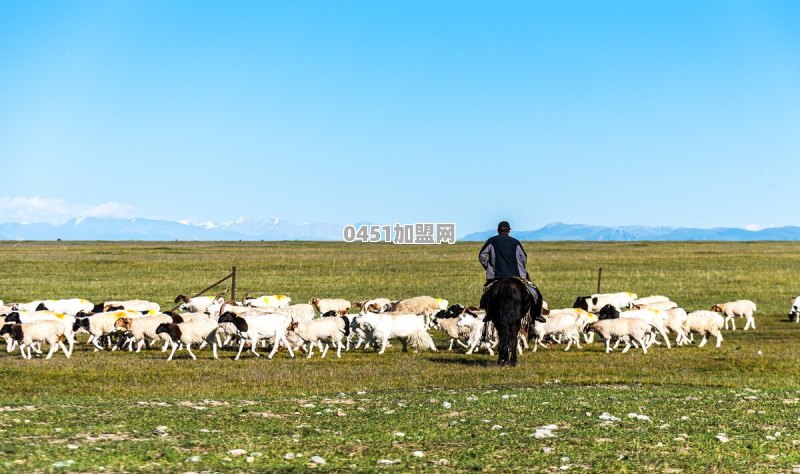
{"x": 503, "y": 226}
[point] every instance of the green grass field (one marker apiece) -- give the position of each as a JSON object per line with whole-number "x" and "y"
{"x": 440, "y": 411}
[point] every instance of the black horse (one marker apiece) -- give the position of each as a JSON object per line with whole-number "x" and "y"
{"x": 507, "y": 303}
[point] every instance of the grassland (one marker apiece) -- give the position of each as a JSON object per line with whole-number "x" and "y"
{"x": 101, "y": 410}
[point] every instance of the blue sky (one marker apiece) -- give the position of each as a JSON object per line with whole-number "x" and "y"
{"x": 655, "y": 113}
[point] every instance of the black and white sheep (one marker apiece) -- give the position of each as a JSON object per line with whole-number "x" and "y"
{"x": 27, "y": 334}
{"x": 188, "y": 333}
{"x": 255, "y": 328}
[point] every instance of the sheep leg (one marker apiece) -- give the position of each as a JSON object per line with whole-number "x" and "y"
{"x": 627, "y": 346}
{"x": 241, "y": 346}
{"x": 282, "y": 338}
{"x": 310, "y": 350}
{"x": 254, "y": 344}
{"x": 666, "y": 338}
{"x": 139, "y": 345}
{"x": 64, "y": 348}
{"x": 608, "y": 345}
{"x": 174, "y": 348}
{"x": 384, "y": 340}
{"x": 339, "y": 349}
{"x": 452, "y": 339}
{"x": 750, "y": 323}
{"x": 291, "y": 354}
{"x": 644, "y": 346}
{"x": 189, "y": 350}
{"x": 325, "y": 351}
{"x": 96, "y": 345}
{"x": 71, "y": 341}
{"x": 703, "y": 342}
{"x": 22, "y": 348}
{"x": 718, "y": 335}
{"x": 53, "y": 348}
{"x": 461, "y": 343}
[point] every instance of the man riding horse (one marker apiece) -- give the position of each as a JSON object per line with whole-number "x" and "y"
{"x": 502, "y": 256}
{"x": 509, "y": 296}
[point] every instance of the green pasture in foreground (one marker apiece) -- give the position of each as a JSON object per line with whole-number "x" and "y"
{"x": 428, "y": 411}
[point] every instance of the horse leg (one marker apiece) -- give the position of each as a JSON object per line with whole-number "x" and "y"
{"x": 507, "y": 341}
{"x": 515, "y": 326}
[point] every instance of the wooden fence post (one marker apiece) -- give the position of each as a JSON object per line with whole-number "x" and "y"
{"x": 599, "y": 278}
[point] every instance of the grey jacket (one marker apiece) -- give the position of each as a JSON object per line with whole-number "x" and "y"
{"x": 503, "y": 257}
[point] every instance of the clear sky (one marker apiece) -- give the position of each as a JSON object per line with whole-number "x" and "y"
{"x": 677, "y": 113}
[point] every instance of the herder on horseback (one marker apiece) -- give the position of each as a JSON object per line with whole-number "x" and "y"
{"x": 509, "y": 296}
{"x": 502, "y": 256}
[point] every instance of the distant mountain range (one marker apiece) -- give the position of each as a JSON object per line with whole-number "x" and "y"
{"x": 559, "y": 231}
{"x": 91, "y": 228}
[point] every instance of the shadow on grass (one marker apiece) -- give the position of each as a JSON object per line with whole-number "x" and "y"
{"x": 464, "y": 361}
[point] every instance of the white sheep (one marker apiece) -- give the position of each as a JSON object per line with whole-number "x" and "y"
{"x": 419, "y": 305}
{"x": 376, "y": 305}
{"x": 299, "y": 312}
{"x": 658, "y": 305}
{"x": 254, "y": 328}
{"x": 451, "y": 327}
{"x": 675, "y": 321}
{"x": 568, "y": 325}
{"x": 737, "y": 309}
{"x": 655, "y": 318}
{"x": 594, "y": 303}
{"x": 705, "y": 323}
{"x": 192, "y": 332}
{"x": 267, "y": 301}
{"x": 198, "y": 304}
{"x": 478, "y": 327}
{"x": 318, "y": 331}
{"x": 133, "y": 305}
{"x": 68, "y": 306}
{"x": 27, "y": 334}
{"x": 30, "y": 306}
{"x": 794, "y": 311}
{"x": 622, "y": 328}
{"x": 650, "y": 299}
{"x": 339, "y": 306}
{"x": 408, "y": 327}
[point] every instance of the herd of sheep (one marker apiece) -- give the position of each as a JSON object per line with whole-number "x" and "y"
{"x": 272, "y": 320}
